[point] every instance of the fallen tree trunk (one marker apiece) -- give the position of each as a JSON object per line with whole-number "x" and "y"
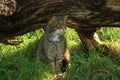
{"x": 30, "y": 15}
{"x": 85, "y": 16}
{"x": 18, "y": 17}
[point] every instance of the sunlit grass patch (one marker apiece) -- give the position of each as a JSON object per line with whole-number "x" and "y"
{"x": 109, "y": 34}
{"x": 19, "y": 62}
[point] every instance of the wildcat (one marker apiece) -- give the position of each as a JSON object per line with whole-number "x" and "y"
{"x": 52, "y": 47}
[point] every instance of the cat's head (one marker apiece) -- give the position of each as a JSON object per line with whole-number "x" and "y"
{"x": 57, "y": 25}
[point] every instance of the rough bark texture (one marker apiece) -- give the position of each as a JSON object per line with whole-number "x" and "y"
{"x": 33, "y": 14}
{"x": 85, "y": 16}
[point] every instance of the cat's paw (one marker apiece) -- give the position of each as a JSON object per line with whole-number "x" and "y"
{"x": 58, "y": 76}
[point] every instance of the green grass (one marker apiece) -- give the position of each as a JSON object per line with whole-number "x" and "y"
{"x": 19, "y": 62}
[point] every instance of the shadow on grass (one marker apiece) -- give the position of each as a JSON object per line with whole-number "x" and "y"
{"x": 21, "y": 64}
{"x": 91, "y": 66}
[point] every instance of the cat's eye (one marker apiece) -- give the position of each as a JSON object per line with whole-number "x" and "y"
{"x": 58, "y": 27}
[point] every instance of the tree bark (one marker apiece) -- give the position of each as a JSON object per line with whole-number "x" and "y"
{"x": 29, "y": 15}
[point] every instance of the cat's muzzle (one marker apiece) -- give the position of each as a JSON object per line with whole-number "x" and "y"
{"x": 60, "y": 32}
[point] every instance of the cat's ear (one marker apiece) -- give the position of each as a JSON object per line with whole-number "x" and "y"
{"x": 52, "y": 20}
{"x": 65, "y": 18}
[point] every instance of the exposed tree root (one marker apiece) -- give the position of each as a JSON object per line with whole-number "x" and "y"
{"x": 92, "y": 43}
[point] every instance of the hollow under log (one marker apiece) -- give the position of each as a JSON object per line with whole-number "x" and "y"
{"x": 18, "y": 17}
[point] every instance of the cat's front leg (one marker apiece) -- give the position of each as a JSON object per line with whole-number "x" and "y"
{"x": 57, "y": 69}
{"x": 56, "y": 66}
